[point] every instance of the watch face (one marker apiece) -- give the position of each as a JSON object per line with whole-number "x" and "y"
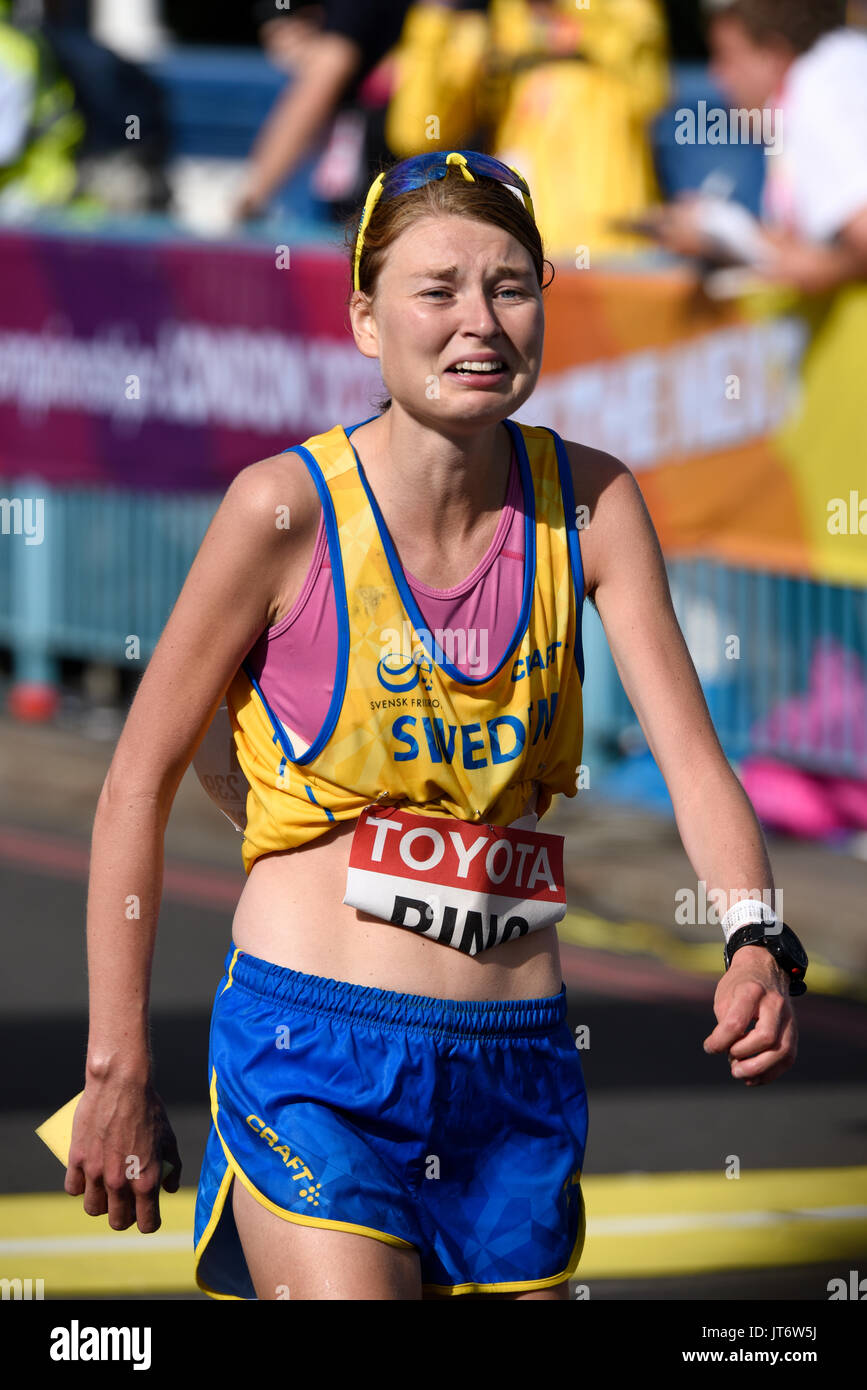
{"x": 788, "y": 951}
{"x": 793, "y": 949}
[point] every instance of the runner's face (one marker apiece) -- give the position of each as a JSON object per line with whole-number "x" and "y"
{"x": 425, "y": 322}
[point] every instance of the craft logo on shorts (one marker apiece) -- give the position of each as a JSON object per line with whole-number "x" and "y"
{"x": 467, "y": 886}
{"x": 312, "y": 1188}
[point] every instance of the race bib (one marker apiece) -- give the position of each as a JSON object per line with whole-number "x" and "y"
{"x": 217, "y": 768}
{"x": 465, "y": 885}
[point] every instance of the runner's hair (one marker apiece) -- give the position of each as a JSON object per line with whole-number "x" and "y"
{"x": 485, "y": 200}
{"x": 800, "y": 23}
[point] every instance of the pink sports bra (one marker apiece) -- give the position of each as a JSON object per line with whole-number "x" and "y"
{"x": 483, "y": 609}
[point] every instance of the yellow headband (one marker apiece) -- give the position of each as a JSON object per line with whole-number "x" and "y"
{"x": 375, "y": 191}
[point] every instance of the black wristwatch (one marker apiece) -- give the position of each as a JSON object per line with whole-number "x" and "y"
{"x": 783, "y": 945}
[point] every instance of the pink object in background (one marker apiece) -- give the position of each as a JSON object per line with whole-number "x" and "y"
{"x": 850, "y": 798}
{"x": 790, "y": 799}
{"x": 830, "y": 718}
{"x": 337, "y": 170}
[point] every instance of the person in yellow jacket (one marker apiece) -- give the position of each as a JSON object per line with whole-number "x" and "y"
{"x": 563, "y": 92}
{"x": 40, "y": 129}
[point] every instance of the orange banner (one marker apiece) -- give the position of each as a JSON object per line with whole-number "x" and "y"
{"x": 745, "y": 422}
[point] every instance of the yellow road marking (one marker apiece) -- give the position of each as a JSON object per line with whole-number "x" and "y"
{"x": 638, "y": 1225}
{"x": 692, "y": 1223}
{"x": 49, "y": 1236}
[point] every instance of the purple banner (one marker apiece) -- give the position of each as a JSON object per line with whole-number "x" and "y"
{"x": 170, "y": 365}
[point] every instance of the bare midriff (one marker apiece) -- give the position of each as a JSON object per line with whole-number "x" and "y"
{"x": 292, "y": 913}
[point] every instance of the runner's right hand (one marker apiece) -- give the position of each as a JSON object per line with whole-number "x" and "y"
{"x": 120, "y": 1136}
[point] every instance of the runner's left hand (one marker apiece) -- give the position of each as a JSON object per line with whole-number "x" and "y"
{"x": 754, "y": 989}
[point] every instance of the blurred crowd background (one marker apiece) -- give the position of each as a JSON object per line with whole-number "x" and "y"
{"x": 209, "y": 114}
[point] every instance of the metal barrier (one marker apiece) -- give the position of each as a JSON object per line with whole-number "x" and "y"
{"x": 110, "y": 565}
{"x": 782, "y": 661}
{"x": 102, "y": 581}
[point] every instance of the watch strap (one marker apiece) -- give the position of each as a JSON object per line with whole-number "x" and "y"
{"x": 758, "y": 934}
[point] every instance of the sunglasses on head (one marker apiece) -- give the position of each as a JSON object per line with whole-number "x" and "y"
{"x": 421, "y": 169}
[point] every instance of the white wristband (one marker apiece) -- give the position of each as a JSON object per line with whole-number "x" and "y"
{"x": 743, "y": 913}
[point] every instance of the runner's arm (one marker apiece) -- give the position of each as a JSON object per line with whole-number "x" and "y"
{"x": 232, "y": 588}
{"x": 628, "y": 583}
{"x": 297, "y": 118}
{"x": 625, "y": 578}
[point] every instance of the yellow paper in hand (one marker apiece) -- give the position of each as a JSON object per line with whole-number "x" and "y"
{"x": 56, "y": 1132}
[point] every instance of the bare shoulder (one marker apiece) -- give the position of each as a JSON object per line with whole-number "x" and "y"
{"x": 252, "y": 555}
{"x": 273, "y": 509}
{"x": 589, "y": 464}
{"x": 612, "y": 512}
{"x": 594, "y": 472}
{"x": 260, "y": 489}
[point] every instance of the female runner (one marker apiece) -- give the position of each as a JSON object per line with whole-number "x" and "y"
{"x": 392, "y": 614}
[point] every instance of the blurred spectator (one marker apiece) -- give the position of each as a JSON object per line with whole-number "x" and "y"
{"x": 796, "y": 62}
{"x": 122, "y": 155}
{"x": 335, "y": 52}
{"x": 77, "y": 122}
{"x": 562, "y": 93}
{"x": 40, "y": 129}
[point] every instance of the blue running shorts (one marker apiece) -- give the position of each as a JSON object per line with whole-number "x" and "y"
{"x": 456, "y": 1127}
